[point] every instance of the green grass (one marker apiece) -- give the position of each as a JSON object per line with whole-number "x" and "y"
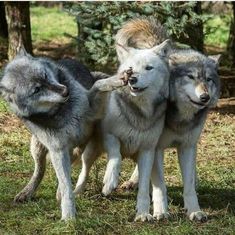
{"x": 49, "y": 24}
{"x": 216, "y": 30}
{"x": 114, "y": 215}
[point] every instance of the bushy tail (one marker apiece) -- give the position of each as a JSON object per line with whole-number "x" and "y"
{"x": 141, "y": 33}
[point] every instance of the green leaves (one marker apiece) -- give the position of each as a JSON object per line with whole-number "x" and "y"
{"x": 99, "y": 22}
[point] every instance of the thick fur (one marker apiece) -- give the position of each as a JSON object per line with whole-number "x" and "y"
{"x": 133, "y": 121}
{"x": 194, "y": 88}
{"x": 58, "y": 111}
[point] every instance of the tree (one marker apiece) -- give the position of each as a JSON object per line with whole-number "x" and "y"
{"x": 99, "y": 21}
{"x": 3, "y": 21}
{"x": 231, "y": 40}
{"x": 194, "y": 30}
{"x": 19, "y": 29}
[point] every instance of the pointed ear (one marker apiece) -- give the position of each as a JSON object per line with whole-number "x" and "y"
{"x": 216, "y": 58}
{"x": 164, "y": 49}
{"x": 122, "y": 52}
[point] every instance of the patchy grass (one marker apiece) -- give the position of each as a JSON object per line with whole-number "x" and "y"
{"x": 50, "y": 24}
{"x": 114, "y": 215}
{"x": 216, "y": 30}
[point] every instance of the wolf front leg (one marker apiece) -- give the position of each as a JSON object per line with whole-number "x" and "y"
{"x": 38, "y": 152}
{"x": 159, "y": 187}
{"x": 111, "y": 177}
{"x": 187, "y": 160}
{"x": 145, "y": 164}
{"x": 61, "y": 162}
{"x": 97, "y": 95}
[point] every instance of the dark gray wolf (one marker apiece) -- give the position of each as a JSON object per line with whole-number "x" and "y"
{"x": 58, "y": 111}
{"x": 194, "y": 89}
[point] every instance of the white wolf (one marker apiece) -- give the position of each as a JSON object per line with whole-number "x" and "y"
{"x": 133, "y": 122}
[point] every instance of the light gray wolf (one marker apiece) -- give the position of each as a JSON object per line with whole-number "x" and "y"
{"x": 133, "y": 122}
{"x": 194, "y": 89}
{"x": 58, "y": 111}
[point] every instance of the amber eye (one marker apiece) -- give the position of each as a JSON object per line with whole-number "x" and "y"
{"x": 148, "y": 67}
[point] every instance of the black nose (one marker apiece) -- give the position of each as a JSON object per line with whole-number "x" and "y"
{"x": 132, "y": 80}
{"x": 204, "y": 97}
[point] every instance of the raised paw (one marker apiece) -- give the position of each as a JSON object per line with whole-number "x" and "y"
{"x": 129, "y": 185}
{"x": 22, "y": 197}
{"x": 161, "y": 216}
{"x": 199, "y": 216}
{"x": 144, "y": 217}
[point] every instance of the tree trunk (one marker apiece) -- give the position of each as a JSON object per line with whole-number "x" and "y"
{"x": 195, "y": 32}
{"x": 19, "y": 30}
{"x": 3, "y": 21}
{"x": 231, "y": 40}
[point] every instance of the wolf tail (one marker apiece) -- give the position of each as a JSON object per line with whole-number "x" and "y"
{"x": 144, "y": 32}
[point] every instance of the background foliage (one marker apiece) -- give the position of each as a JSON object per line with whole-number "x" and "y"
{"x": 98, "y": 23}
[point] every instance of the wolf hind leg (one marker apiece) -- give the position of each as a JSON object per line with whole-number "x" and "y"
{"x": 90, "y": 154}
{"x": 38, "y": 152}
{"x": 132, "y": 183}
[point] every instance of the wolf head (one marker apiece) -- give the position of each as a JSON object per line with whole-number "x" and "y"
{"x": 31, "y": 86}
{"x": 195, "y": 78}
{"x": 149, "y": 66}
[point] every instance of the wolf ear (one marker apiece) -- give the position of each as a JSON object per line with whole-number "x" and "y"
{"x": 122, "y": 52}
{"x": 216, "y": 58}
{"x": 164, "y": 48}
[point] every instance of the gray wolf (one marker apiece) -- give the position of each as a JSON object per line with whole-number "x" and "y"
{"x": 58, "y": 111}
{"x": 133, "y": 122}
{"x": 194, "y": 89}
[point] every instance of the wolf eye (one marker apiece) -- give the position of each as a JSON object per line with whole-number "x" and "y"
{"x": 148, "y": 67}
{"x": 209, "y": 79}
{"x": 36, "y": 90}
{"x": 190, "y": 76}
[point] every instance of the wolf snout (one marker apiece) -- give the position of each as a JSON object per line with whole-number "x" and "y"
{"x": 132, "y": 80}
{"x": 204, "y": 97}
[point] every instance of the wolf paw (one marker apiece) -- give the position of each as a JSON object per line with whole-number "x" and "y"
{"x": 161, "y": 216}
{"x": 199, "y": 216}
{"x": 144, "y": 217}
{"x": 79, "y": 190}
{"x": 22, "y": 197}
{"x": 129, "y": 185}
{"x": 108, "y": 188}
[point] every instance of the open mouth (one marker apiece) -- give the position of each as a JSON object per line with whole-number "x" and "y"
{"x": 137, "y": 89}
{"x": 197, "y": 103}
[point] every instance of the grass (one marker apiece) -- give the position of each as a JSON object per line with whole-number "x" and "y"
{"x": 114, "y": 215}
{"x": 49, "y": 24}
